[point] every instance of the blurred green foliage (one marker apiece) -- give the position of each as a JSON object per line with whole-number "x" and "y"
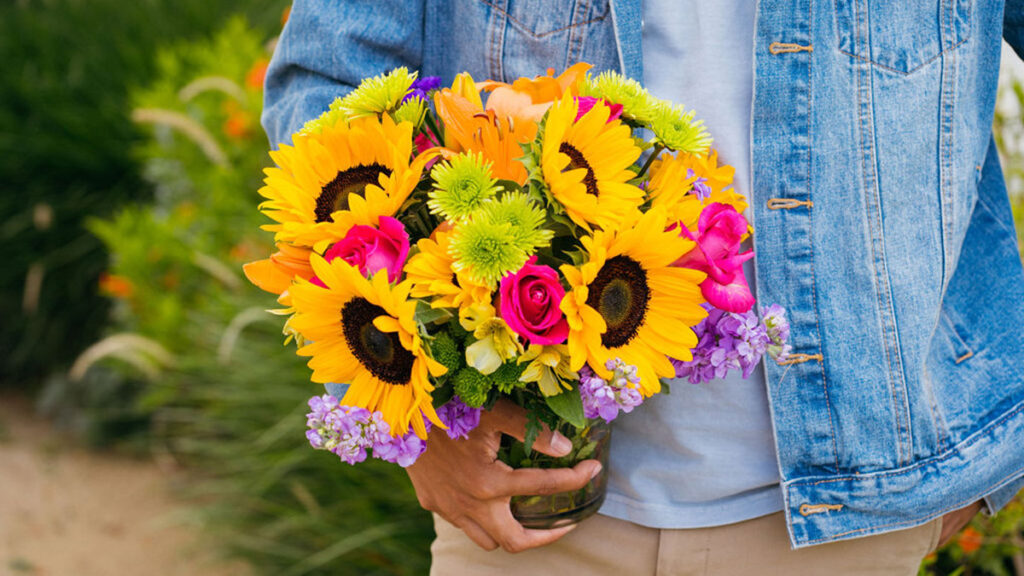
{"x": 65, "y": 154}
{"x": 227, "y": 402}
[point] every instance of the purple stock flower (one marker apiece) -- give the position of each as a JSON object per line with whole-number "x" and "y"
{"x": 700, "y": 187}
{"x": 344, "y": 430}
{"x": 606, "y": 398}
{"x": 725, "y": 341}
{"x": 459, "y": 418}
{"x": 778, "y": 332}
{"x": 401, "y": 450}
{"x": 421, "y": 86}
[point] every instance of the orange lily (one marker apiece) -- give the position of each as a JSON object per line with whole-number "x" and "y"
{"x": 528, "y": 99}
{"x": 275, "y": 274}
{"x": 470, "y": 128}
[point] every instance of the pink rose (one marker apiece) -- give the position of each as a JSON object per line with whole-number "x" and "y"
{"x": 371, "y": 249}
{"x": 529, "y": 304}
{"x": 719, "y": 233}
{"x": 585, "y": 103}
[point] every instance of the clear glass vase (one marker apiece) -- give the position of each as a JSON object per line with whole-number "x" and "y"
{"x": 564, "y": 508}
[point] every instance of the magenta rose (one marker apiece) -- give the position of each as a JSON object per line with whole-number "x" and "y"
{"x": 720, "y": 231}
{"x": 585, "y": 103}
{"x": 529, "y": 303}
{"x": 371, "y": 249}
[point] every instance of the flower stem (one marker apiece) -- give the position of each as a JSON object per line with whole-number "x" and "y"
{"x": 650, "y": 159}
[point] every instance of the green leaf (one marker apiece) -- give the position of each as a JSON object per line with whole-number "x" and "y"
{"x": 533, "y": 428}
{"x": 569, "y": 407}
{"x": 427, "y": 315}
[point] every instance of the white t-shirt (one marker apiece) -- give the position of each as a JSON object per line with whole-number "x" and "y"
{"x": 703, "y": 455}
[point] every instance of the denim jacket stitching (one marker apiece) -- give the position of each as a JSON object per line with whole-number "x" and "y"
{"x": 977, "y": 437}
{"x": 873, "y": 206}
{"x": 958, "y": 505}
{"x": 947, "y": 176}
{"x": 497, "y": 42}
{"x": 526, "y": 29}
{"x": 810, "y": 237}
{"x": 577, "y": 33}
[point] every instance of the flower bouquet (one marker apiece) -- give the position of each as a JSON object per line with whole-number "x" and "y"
{"x": 436, "y": 254}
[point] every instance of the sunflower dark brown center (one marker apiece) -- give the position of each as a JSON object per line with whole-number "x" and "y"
{"x": 577, "y": 161}
{"x": 334, "y": 195}
{"x": 380, "y": 352}
{"x": 620, "y": 295}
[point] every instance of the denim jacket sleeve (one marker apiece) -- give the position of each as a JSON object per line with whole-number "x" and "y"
{"x": 327, "y": 47}
{"x": 1013, "y": 25}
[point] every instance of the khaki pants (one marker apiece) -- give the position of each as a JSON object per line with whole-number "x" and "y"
{"x": 758, "y": 547}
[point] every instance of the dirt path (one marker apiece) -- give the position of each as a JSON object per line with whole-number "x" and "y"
{"x": 67, "y": 511}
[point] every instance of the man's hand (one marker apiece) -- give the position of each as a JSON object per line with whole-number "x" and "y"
{"x": 955, "y": 521}
{"x": 463, "y": 481}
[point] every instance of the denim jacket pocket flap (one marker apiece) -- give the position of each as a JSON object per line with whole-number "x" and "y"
{"x": 541, "y": 18}
{"x": 901, "y": 35}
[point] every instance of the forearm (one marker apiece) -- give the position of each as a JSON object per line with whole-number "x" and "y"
{"x": 327, "y": 47}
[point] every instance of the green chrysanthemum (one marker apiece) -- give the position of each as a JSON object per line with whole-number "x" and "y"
{"x": 485, "y": 252}
{"x": 446, "y": 352}
{"x": 412, "y": 110}
{"x": 675, "y": 128}
{"x": 325, "y": 120}
{"x": 637, "y": 103}
{"x": 472, "y": 387}
{"x": 506, "y": 378}
{"x": 525, "y": 217}
{"x": 461, "y": 186}
{"x": 376, "y": 95}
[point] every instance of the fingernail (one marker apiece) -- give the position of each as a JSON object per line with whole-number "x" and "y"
{"x": 560, "y": 443}
{"x": 597, "y": 470}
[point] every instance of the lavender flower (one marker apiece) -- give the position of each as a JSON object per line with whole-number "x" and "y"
{"x": 778, "y": 332}
{"x": 401, "y": 450}
{"x": 606, "y": 398}
{"x": 700, "y": 186}
{"x": 729, "y": 341}
{"x": 346, "y": 431}
{"x": 421, "y": 86}
{"x": 459, "y": 418}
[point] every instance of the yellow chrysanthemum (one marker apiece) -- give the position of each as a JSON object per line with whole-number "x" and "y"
{"x": 675, "y": 181}
{"x": 586, "y": 165}
{"x": 347, "y": 174}
{"x": 363, "y": 332}
{"x": 432, "y": 277}
{"x": 627, "y": 301}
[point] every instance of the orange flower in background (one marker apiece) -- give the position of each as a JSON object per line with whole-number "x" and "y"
{"x": 255, "y": 76}
{"x": 970, "y": 540}
{"x": 470, "y": 128}
{"x": 275, "y": 274}
{"x": 527, "y": 99}
{"x": 238, "y": 126}
{"x": 116, "y": 286}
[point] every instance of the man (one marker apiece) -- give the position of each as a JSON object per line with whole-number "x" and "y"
{"x": 860, "y": 130}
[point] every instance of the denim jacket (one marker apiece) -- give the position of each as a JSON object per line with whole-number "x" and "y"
{"x": 881, "y": 217}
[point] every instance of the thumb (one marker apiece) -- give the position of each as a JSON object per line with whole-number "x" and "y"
{"x": 552, "y": 443}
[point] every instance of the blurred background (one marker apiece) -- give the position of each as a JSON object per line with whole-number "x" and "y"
{"x": 149, "y": 418}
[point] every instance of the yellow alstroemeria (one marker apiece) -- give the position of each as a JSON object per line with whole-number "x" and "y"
{"x": 548, "y": 367}
{"x": 496, "y": 342}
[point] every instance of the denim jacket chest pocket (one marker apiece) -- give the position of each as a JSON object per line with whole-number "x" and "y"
{"x": 557, "y": 33}
{"x": 901, "y": 35}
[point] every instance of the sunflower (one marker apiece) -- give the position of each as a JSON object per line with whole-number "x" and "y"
{"x": 627, "y": 301}
{"x": 676, "y": 184}
{"x": 363, "y": 332}
{"x": 314, "y": 192}
{"x": 586, "y": 165}
{"x": 432, "y": 276}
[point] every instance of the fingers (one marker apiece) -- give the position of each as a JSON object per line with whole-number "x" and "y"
{"x": 477, "y": 534}
{"x": 513, "y": 538}
{"x": 530, "y": 481}
{"x": 511, "y": 419}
